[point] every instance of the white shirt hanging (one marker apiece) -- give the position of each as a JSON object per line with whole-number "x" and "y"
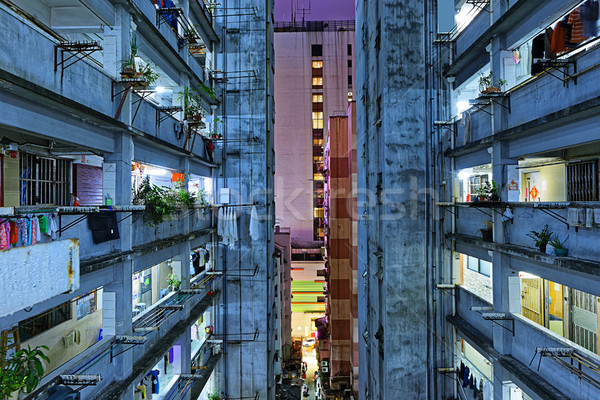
{"x": 254, "y": 224}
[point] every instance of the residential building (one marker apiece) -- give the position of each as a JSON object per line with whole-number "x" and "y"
{"x": 340, "y": 245}
{"x": 315, "y": 80}
{"x": 102, "y": 100}
{"x": 480, "y": 158}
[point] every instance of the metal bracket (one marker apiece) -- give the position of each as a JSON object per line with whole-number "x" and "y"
{"x": 560, "y": 66}
{"x": 500, "y": 317}
{"x": 556, "y": 216}
{"x": 80, "y": 51}
{"x": 166, "y": 113}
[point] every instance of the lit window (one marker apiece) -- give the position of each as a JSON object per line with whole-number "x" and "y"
{"x": 317, "y": 117}
{"x": 317, "y": 81}
{"x": 319, "y": 213}
{"x": 318, "y": 98}
{"x": 349, "y": 96}
{"x": 318, "y": 177}
{"x": 317, "y": 142}
{"x": 317, "y": 64}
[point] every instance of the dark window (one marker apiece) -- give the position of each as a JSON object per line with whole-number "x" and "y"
{"x": 349, "y": 63}
{"x": 349, "y": 49}
{"x": 44, "y": 180}
{"x": 45, "y": 321}
{"x": 349, "y": 80}
{"x": 317, "y": 50}
{"x": 582, "y": 181}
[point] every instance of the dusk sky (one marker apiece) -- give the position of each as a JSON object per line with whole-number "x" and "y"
{"x": 319, "y": 9}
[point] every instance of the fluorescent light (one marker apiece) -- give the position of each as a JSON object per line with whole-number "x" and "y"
{"x": 160, "y": 89}
{"x": 156, "y": 171}
{"x": 464, "y": 174}
{"x": 462, "y": 106}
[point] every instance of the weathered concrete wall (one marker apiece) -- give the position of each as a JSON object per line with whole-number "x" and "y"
{"x": 392, "y": 227}
{"x": 247, "y": 169}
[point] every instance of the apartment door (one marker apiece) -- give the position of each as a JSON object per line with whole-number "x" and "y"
{"x": 532, "y": 186}
{"x": 532, "y": 291}
{"x": 555, "y": 305}
{"x": 584, "y": 319}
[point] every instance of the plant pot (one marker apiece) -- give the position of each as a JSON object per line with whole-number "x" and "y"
{"x": 475, "y": 199}
{"x": 494, "y": 197}
{"x": 561, "y": 252}
{"x": 543, "y": 247}
{"x": 490, "y": 89}
{"x": 487, "y": 235}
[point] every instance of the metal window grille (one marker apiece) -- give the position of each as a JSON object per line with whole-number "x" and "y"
{"x": 44, "y": 180}
{"x": 582, "y": 181}
{"x": 40, "y": 323}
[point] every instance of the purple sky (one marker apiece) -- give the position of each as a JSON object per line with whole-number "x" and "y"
{"x": 319, "y": 9}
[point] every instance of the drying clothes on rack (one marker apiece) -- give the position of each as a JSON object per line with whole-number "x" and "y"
{"x": 220, "y": 223}
{"x": 465, "y": 121}
{"x": 588, "y": 12}
{"x": 4, "y": 235}
{"x": 254, "y": 224}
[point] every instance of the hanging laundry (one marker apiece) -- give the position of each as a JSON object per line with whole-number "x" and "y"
{"x": 572, "y": 216}
{"x": 597, "y": 216}
{"x": 577, "y": 35}
{"x": 220, "y": 221}
{"x": 38, "y": 233}
{"x": 254, "y": 224}
{"x": 588, "y": 12}
{"x": 4, "y": 236}
{"x": 487, "y": 391}
{"x": 466, "y": 376}
{"x": 589, "y": 218}
{"x": 53, "y": 227}
{"x": 33, "y": 237}
{"x": 43, "y": 224}
{"x": 225, "y": 231}
{"x": 581, "y": 216}
{"x": 14, "y": 235}
{"x": 465, "y": 122}
{"x": 560, "y": 37}
{"x": 22, "y": 229}
{"x": 29, "y": 231}
{"x": 234, "y": 230}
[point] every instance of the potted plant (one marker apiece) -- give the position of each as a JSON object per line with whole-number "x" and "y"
{"x": 22, "y": 370}
{"x": 173, "y": 283}
{"x": 559, "y": 246}
{"x": 486, "y": 232}
{"x": 191, "y": 103}
{"x": 541, "y": 238}
{"x": 491, "y": 191}
{"x": 128, "y": 69}
{"x": 486, "y": 84}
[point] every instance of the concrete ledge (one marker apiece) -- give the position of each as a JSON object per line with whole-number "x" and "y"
{"x": 588, "y": 267}
{"x": 522, "y": 374}
{"x": 199, "y": 384}
{"x": 97, "y": 263}
{"x": 580, "y": 111}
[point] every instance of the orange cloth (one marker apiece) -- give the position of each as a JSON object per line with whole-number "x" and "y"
{"x": 577, "y": 35}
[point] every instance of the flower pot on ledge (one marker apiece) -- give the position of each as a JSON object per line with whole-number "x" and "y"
{"x": 487, "y": 235}
{"x": 561, "y": 252}
{"x": 491, "y": 89}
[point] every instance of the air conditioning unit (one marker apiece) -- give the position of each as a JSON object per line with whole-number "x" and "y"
{"x": 324, "y": 363}
{"x": 325, "y": 370}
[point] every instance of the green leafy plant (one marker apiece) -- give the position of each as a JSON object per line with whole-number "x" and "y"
{"x": 556, "y": 243}
{"x": 214, "y": 395}
{"x": 22, "y": 370}
{"x": 173, "y": 282}
{"x": 541, "y": 238}
{"x": 128, "y": 64}
{"x": 490, "y": 190}
{"x": 150, "y": 75}
{"x": 486, "y": 83}
{"x": 191, "y": 101}
{"x": 162, "y": 203}
{"x": 208, "y": 90}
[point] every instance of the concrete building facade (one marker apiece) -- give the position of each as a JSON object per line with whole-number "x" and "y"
{"x": 99, "y": 97}
{"x": 487, "y": 147}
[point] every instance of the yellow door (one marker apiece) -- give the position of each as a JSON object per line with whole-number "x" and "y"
{"x": 531, "y": 299}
